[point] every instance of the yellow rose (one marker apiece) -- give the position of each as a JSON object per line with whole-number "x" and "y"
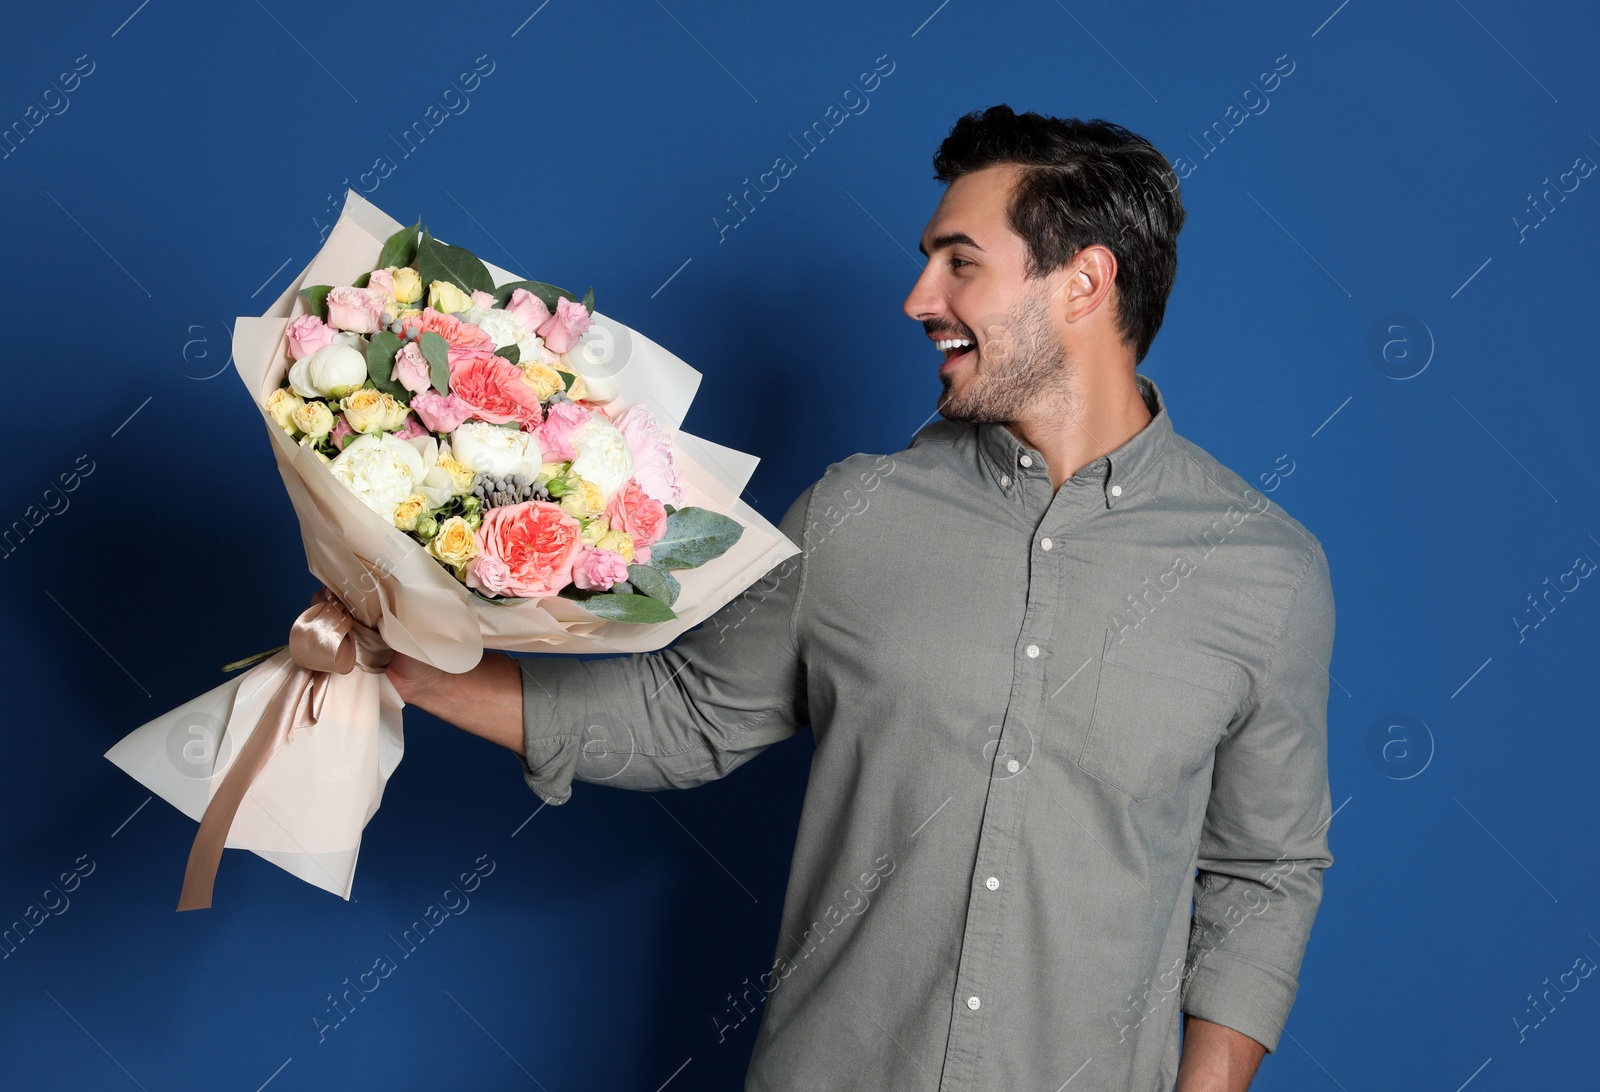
{"x": 365, "y": 410}
{"x": 593, "y": 530}
{"x": 446, "y": 297}
{"x": 584, "y": 501}
{"x": 543, "y": 378}
{"x": 578, "y": 389}
{"x": 407, "y": 285}
{"x": 547, "y": 471}
{"x": 455, "y": 544}
{"x": 281, "y": 405}
{"x": 407, "y": 511}
{"x": 618, "y": 542}
{"x": 394, "y": 412}
{"x": 461, "y": 477}
{"x": 314, "y": 419}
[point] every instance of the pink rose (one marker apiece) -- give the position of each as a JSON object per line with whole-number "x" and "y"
{"x": 633, "y": 510}
{"x": 440, "y": 412}
{"x": 527, "y": 550}
{"x": 411, "y": 368}
{"x": 462, "y": 335}
{"x": 496, "y": 389}
{"x": 654, "y": 463}
{"x": 355, "y": 309}
{"x": 561, "y": 420}
{"x": 598, "y": 569}
{"x": 411, "y": 429}
{"x": 527, "y": 309}
{"x": 382, "y": 281}
{"x": 562, "y": 329}
{"x": 481, "y": 298}
{"x": 341, "y": 433}
{"x": 307, "y": 334}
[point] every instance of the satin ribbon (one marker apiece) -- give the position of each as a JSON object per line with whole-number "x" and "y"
{"x": 325, "y": 639}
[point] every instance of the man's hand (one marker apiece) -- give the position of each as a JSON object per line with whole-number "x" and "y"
{"x": 1216, "y": 1058}
{"x": 486, "y": 701}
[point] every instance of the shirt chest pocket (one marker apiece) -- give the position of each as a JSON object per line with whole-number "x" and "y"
{"x": 1159, "y": 710}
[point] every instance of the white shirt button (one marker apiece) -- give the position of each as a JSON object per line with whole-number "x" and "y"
{"x": 972, "y": 1002}
{"x": 992, "y": 883}
{"x": 1026, "y": 460}
{"x": 1045, "y": 544}
{"x": 1012, "y": 765}
{"x": 1005, "y": 481}
{"x": 1116, "y": 490}
{"x": 1032, "y": 651}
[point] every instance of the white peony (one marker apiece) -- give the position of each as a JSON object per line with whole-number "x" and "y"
{"x": 333, "y": 371}
{"x": 381, "y": 470}
{"x": 601, "y": 454}
{"x": 496, "y": 451}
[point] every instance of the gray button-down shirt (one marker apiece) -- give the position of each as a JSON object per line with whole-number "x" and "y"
{"x": 1070, "y": 777}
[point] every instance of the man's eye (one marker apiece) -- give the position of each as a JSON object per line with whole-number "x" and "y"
{"x": 957, "y": 262}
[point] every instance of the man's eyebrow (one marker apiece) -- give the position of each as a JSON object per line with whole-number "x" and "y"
{"x": 951, "y": 238}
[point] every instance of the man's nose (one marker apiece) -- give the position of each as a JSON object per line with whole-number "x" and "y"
{"x": 926, "y": 299}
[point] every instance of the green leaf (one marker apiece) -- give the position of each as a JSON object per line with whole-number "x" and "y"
{"x": 400, "y": 248}
{"x": 654, "y": 582}
{"x": 670, "y": 509}
{"x": 361, "y": 281}
{"x": 694, "y": 536}
{"x": 627, "y": 607}
{"x": 437, "y": 352}
{"x": 567, "y": 378}
{"x": 510, "y": 352}
{"x": 438, "y": 261}
{"x": 317, "y": 299}
{"x": 380, "y": 364}
{"x": 549, "y": 293}
{"x": 588, "y": 300}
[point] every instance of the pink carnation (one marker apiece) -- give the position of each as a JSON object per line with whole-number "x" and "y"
{"x": 355, "y": 309}
{"x": 526, "y": 550}
{"x": 497, "y": 390}
{"x": 598, "y": 569}
{"x": 654, "y": 463}
{"x": 561, "y": 420}
{"x": 440, "y": 412}
{"x": 527, "y": 309}
{"x": 562, "y": 329}
{"x": 341, "y": 433}
{"x": 640, "y": 515}
{"x": 411, "y": 369}
{"x": 307, "y": 334}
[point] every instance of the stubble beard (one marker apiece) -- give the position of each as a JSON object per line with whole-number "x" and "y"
{"x": 1022, "y": 359}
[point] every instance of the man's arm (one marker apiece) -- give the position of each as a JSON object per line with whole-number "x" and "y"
{"x": 691, "y": 712}
{"x": 1216, "y": 1058}
{"x": 1264, "y": 844}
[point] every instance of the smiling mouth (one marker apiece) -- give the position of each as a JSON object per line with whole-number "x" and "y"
{"x": 954, "y": 349}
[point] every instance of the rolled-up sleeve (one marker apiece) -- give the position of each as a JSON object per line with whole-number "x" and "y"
{"x": 678, "y": 717}
{"x": 1264, "y": 843}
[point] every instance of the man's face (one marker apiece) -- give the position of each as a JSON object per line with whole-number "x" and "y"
{"x": 993, "y": 326}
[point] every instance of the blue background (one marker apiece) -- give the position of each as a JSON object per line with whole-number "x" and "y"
{"x": 189, "y": 179}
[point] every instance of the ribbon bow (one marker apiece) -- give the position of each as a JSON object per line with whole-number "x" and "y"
{"x": 325, "y": 639}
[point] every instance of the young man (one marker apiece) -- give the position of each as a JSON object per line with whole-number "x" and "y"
{"x": 1067, "y": 676}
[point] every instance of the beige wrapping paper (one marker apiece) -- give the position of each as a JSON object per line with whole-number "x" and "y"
{"x": 306, "y": 811}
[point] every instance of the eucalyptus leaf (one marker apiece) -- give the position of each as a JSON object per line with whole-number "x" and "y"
{"x": 381, "y": 350}
{"x": 317, "y": 299}
{"x": 549, "y": 293}
{"x": 510, "y": 352}
{"x": 654, "y": 582}
{"x": 436, "y": 350}
{"x": 400, "y": 248}
{"x": 438, "y": 261}
{"x": 627, "y": 607}
{"x": 694, "y": 536}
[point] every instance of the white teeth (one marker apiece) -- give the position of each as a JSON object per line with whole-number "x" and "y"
{"x": 947, "y": 344}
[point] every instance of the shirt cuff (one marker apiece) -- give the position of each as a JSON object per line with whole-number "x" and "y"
{"x": 550, "y": 752}
{"x": 1241, "y": 993}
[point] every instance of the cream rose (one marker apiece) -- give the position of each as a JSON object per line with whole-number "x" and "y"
{"x": 314, "y": 419}
{"x": 281, "y": 406}
{"x": 407, "y": 511}
{"x": 619, "y": 542}
{"x": 454, "y": 544}
{"x": 446, "y": 298}
{"x": 584, "y": 501}
{"x": 406, "y": 284}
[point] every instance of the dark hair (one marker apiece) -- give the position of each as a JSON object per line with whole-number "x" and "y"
{"x": 1085, "y": 182}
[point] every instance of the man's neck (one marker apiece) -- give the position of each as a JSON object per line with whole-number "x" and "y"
{"x": 1100, "y": 414}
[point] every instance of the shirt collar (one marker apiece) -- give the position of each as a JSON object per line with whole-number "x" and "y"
{"x": 1116, "y": 474}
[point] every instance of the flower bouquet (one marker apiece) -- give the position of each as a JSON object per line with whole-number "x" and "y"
{"x": 476, "y": 461}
